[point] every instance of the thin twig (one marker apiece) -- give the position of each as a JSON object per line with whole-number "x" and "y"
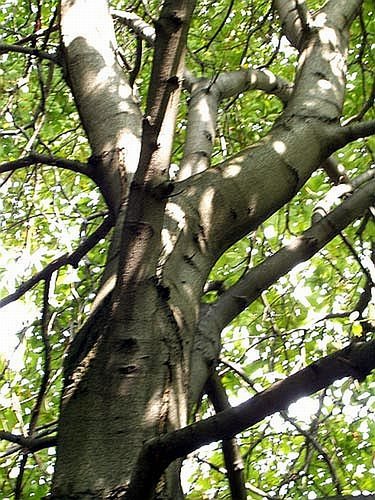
{"x": 72, "y": 259}
{"x": 53, "y": 161}
{"x": 40, "y": 54}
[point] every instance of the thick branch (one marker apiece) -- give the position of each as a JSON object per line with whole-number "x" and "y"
{"x": 72, "y": 259}
{"x": 244, "y": 190}
{"x": 356, "y": 360}
{"x": 206, "y": 94}
{"x": 355, "y": 131}
{"x": 342, "y": 12}
{"x": 164, "y": 89}
{"x": 137, "y": 24}
{"x": 234, "y": 82}
{"x": 320, "y": 79}
{"x": 293, "y": 17}
{"x": 150, "y": 185}
{"x": 205, "y": 97}
{"x": 249, "y": 288}
{"x": 101, "y": 90}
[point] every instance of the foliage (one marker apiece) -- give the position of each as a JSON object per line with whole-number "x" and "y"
{"x": 319, "y": 447}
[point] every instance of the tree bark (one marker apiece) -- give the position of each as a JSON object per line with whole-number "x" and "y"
{"x": 128, "y": 365}
{"x": 140, "y": 363}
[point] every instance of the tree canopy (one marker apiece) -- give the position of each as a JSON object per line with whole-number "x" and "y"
{"x": 212, "y": 166}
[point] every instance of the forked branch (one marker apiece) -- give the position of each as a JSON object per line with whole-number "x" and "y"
{"x": 257, "y": 279}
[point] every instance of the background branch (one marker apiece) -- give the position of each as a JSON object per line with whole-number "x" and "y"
{"x": 33, "y": 158}
{"x": 72, "y": 259}
{"x": 31, "y": 444}
{"x": 40, "y": 54}
{"x": 232, "y": 455}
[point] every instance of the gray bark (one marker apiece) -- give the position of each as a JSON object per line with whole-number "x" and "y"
{"x": 105, "y": 102}
{"x": 143, "y": 358}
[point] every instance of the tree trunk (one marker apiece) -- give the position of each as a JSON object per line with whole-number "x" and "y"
{"x": 129, "y": 366}
{"x": 139, "y": 365}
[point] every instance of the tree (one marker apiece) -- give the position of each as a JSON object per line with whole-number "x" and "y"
{"x": 208, "y": 174}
